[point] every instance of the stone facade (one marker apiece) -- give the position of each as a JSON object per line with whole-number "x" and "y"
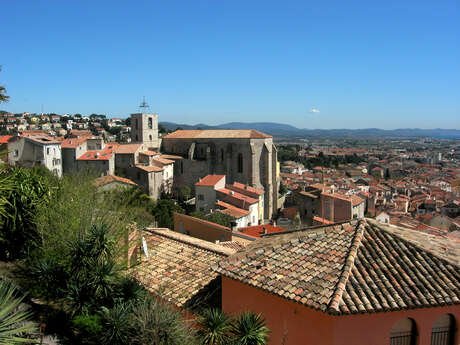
{"x": 245, "y": 156}
{"x": 33, "y": 151}
{"x": 144, "y": 129}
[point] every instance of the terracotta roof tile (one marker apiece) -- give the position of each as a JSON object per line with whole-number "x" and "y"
{"x": 150, "y": 168}
{"x": 217, "y": 134}
{"x": 4, "y": 139}
{"x": 103, "y": 180}
{"x": 354, "y": 267}
{"x": 179, "y": 266}
{"x": 73, "y": 142}
{"x": 128, "y": 148}
{"x": 260, "y": 230}
{"x": 210, "y": 180}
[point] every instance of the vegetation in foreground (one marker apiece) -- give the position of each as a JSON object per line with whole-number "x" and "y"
{"x": 68, "y": 239}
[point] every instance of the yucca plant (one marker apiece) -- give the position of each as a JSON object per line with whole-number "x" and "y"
{"x": 15, "y": 323}
{"x": 249, "y": 329}
{"x": 214, "y": 327}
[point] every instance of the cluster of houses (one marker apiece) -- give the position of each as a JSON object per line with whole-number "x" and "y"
{"x": 337, "y": 277}
{"x": 61, "y": 125}
{"x": 139, "y": 161}
{"x": 426, "y": 197}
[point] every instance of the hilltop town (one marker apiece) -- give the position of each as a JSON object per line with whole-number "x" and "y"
{"x": 251, "y": 221}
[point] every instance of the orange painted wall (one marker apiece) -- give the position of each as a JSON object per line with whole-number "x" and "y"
{"x": 296, "y": 324}
{"x": 300, "y": 325}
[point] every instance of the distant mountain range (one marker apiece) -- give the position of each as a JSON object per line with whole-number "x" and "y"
{"x": 282, "y": 130}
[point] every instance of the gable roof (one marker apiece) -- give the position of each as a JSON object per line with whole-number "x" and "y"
{"x": 103, "y": 180}
{"x": 217, "y": 134}
{"x": 179, "y": 266}
{"x": 210, "y": 180}
{"x": 128, "y": 148}
{"x": 354, "y": 267}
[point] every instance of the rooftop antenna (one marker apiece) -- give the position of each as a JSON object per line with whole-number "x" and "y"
{"x": 144, "y": 106}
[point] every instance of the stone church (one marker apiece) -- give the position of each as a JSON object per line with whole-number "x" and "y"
{"x": 245, "y": 156}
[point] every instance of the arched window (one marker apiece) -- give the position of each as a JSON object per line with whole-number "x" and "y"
{"x": 403, "y": 332}
{"x": 240, "y": 163}
{"x": 150, "y": 137}
{"x": 443, "y": 330}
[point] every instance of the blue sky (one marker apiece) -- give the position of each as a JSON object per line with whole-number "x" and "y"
{"x": 386, "y": 64}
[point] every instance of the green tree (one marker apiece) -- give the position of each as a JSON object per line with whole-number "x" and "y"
{"x": 31, "y": 188}
{"x": 15, "y": 327}
{"x": 157, "y": 324}
{"x": 163, "y": 211}
{"x": 214, "y": 327}
{"x": 215, "y": 217}
{"x": 249, "y": 329}
{"x": 3, "y": 95}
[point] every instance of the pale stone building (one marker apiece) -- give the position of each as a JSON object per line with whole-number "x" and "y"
{"x": 144, "y": 129}
{"x": 31, "y": 151}
{"x": 245, "y": 156}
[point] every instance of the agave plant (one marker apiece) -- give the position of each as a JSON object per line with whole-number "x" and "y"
{"x": 249, "y": 329}
{"x": 214, "y": 327}
{"x": 14, "y": 316}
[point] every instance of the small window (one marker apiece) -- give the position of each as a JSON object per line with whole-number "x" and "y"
{"x": 150, "y": 137}
{"x": 47, "y": 150}
{"x": 200, "y": 197}
{"x": 222, "y": 155}
{"x": 150, "y": 123}
{"x": 16, "y": 153}
{"x": 240, "y": 163}
{"x": 202, "y": 209}
{"x": 403, "y": 332}
{"x": 443, "y": 330}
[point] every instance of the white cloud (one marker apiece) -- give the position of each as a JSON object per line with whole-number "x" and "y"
{"x": 314, "y": 111}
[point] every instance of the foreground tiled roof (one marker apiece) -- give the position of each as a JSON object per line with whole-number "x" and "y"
{"x": 354, "y": 267}
{"x": 217, "y": 134}
{"x": 439, "y": 244}
{"x": 179, "y": 266}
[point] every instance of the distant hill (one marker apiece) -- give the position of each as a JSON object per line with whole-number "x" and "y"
{"x": 282, "y": 130}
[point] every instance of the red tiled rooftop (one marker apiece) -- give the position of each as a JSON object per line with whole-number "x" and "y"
{"x": 149, "y": 153}
{"x": 73, "y": 142}
{"x": 231, "y": 210}
{"x": 101, "y": 181}
{"x": 95, "y": 156}
{"x": 210, "y": 180}
{"x": 150, "y": 168}
{"x": 242, "y": 187}
{"x": 217, "y": 134}
{"x": 4, "y": 139}
{"x": 128, "y": 148}
{"x": 259, "y": 230}
{"x": 237, "y": 195}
